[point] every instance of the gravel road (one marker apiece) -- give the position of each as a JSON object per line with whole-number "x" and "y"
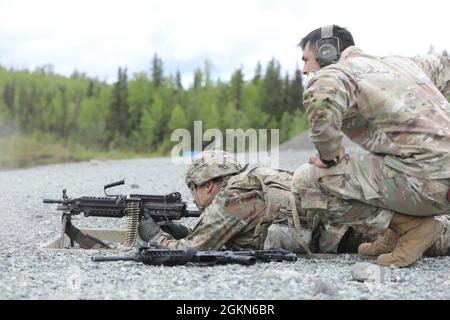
{"x": 28, "y": 271}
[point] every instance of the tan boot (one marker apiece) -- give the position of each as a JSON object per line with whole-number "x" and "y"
{"x": 383, "y": 244}
{"x": 442, "y": 246}
{"x": 416, "y": 235}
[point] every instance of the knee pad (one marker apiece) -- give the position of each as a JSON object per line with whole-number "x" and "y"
{"x": 281, "y": 237}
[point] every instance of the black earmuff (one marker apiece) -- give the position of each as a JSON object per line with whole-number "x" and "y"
{"x": 327, "y": 48}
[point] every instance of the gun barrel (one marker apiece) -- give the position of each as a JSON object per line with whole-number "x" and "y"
{"x": 243, "y": 260}
{"x": 192, "y": 214}
{"x": 217, "y": 257}
{"x": 114, "y": 258}
{"x": 52, "y": 201}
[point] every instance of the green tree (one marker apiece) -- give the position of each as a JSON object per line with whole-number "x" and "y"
{"x": 258, "y": 73}
{"x": 177, "y": 119}
{"x": 178, "y": 81}
{"x": 93, "y": 118}
{"x": 272, "y": 90}
{"x": 251, "y": 103}
{"x": 298, "y": 124}
{"x": 207, "y": 109}
{"x": 198, "y": 79}
{"x": 296, "y": 92}
{"x": 25, "y": 114}
{"x": 140, "y": 97}
{"x": 118, "y": 120}
{"x": 285, "y": 126}
{"x": 91, "y": 89}
{"x": 151, "y": 128}
{"x": 237, "y": 81}
{"x": 207, "y": 70}
{"x": 286, "y": 97}
{"x": 9, "y": 92}
{"x": 157, "y": 71}
{"x": 63, "y": 122}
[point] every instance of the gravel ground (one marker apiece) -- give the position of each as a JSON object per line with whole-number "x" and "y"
{"x": 27, "y": 271}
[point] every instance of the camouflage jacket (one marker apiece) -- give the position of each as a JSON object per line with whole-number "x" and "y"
{"x": 237, "y": 216}
{"x": 394, "y": 106}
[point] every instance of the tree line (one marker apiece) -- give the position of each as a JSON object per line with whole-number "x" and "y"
{"x": 140, "y": 112}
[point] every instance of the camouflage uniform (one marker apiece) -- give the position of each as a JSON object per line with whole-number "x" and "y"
{"x": 396, "y": 108}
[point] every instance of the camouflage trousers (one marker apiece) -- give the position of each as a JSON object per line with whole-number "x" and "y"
{"x": 332, "y": 239}
{"x": 326, "y": 239}
{"x": 364, "y": 193}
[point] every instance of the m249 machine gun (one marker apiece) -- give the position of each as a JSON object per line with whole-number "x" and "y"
{"x": 134, "y": 207}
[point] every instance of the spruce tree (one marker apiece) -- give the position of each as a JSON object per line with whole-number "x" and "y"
{"x": 272, "y": 90}
{"x": 157, "y": 71}
{"x": 9, "y": 92}
{"x": 237, "y": 80}
{"x": 63, "y": 122}
{"x": 177, "y": 119}
{"x": 198, "y": 79}
{"x": 296, "y": 92}
{"x": 286, "y": 97}
{"x": 119, "y": 110}
{"x": 178, "y": 81}
{"x": 258, "y": 73}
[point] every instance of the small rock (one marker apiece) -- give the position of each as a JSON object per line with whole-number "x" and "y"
{"x": 367, "y": 272}
{"x": 323, "y": 287}
{"x": 134, "y": 186}
{"x": 284, "y": 275}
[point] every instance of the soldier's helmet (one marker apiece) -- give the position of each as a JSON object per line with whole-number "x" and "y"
{"x": 211, "y": 164}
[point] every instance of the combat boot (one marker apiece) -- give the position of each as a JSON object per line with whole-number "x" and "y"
{"x": 416, "y": 235}
{"x": 441, "y": 247}
{"x": 384, "y": 244}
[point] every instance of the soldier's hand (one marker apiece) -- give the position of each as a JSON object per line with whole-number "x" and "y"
{"x": 148, "y": 228}
{"x": 178, "y": 231}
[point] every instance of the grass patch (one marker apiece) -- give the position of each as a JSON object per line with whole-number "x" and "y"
{"x": 20, "y": 151}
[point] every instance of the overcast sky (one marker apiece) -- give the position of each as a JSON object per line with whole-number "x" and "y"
{"x": 96, "y": 36}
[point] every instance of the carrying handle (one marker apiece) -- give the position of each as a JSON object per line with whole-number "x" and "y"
{"x": 114, "y": 184}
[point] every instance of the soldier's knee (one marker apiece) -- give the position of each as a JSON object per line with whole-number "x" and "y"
{"x": 306, "y": 176}
{"x": 281, "y": 237}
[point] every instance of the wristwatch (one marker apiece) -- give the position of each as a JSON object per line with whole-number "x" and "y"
{"x": 330, "y": 163}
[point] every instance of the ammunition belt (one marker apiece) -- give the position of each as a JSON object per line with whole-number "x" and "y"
{"x": 133, "y": 210}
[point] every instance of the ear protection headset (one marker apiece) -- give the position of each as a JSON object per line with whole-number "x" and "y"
{"x": 328, "y": 47}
